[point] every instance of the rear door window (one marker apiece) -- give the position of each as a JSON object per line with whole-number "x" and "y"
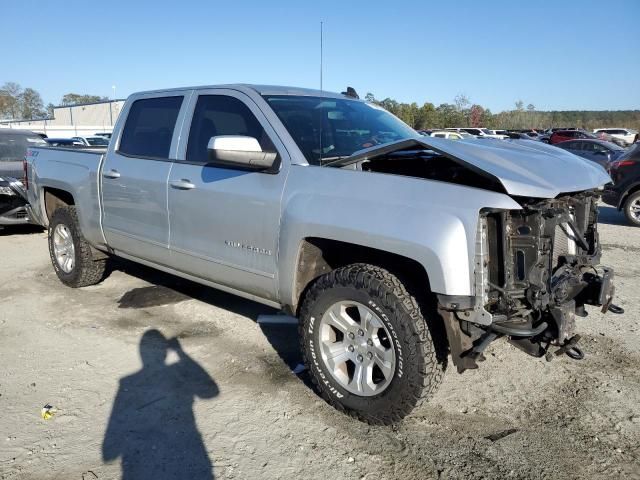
{"x": 149, "y": 127}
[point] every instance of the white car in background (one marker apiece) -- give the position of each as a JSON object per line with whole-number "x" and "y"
{"x": 451, "y": 135}
{"x": 627, "y": 135}
{"x": 478, "y": 132}
{"x": 93, "y": 141}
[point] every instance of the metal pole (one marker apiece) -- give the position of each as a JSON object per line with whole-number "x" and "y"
{"x": 321, "y": 24}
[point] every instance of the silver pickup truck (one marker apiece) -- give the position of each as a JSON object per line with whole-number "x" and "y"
{"x": 394, "y": 250}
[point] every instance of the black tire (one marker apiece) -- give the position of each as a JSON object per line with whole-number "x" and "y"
{"x": 631, "y": 199}
{"x": 418, "y": 369}
{"x": 86, "y": 270}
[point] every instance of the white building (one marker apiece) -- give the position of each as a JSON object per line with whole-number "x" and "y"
{"x": 73, "y": 120}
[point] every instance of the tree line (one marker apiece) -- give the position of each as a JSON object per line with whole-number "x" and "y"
{"x": 463, "y": 113}
{"x": 17, "y": 103}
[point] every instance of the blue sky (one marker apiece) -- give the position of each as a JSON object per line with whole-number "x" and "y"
{"x": 556, "y": 55}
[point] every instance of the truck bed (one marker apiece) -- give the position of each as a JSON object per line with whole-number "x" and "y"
{"x": 72, "y": 170}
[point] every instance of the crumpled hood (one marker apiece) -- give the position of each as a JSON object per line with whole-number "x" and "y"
{"x": 524, "y": 168}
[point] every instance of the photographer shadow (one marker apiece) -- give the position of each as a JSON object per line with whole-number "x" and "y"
{"x": 152, "y": 427}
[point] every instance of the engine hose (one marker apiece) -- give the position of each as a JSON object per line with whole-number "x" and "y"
{"x": 519, "y": 332}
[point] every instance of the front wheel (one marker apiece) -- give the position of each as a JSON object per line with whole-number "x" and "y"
{"x": 368, "y": 345}
{"x": 71, "y": 255}
{"x": 632, "y": 209}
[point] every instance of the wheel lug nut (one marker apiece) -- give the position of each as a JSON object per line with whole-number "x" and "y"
{"x": 360, "y": 358}
{"x": 369, "y": 355}
{"x": 351, "y": 335}
{"x": 350, "y": 348}
{"x": 370, "y": 342}
{"x": 360, "y": 332}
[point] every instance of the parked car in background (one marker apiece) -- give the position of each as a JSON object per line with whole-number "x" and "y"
{"x": 13, "y": 199}
{"x": 499, "y": 132}
{"x": 624, "y": 192}
{"x": 63, "y": 142}
{"x": 94, "y": 141}
{"x": 477, "y": 132}
{"x": 599, "y": 151}
{"x": 104, "y": 134}
{"x": 13, "y": 148}
{"x": 627, "y": 135}
{"x": 518, "y": 136}
{"x": 451, "y": 135}
{"x": 564, "y": 135}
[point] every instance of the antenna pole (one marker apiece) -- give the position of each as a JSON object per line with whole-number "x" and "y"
{"x": 321, "y": 55}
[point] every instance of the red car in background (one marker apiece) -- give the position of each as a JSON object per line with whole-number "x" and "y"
{"x": 564, "y": 135}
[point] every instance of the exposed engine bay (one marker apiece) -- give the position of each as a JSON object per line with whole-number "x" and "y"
{"x": 535, "y": 268}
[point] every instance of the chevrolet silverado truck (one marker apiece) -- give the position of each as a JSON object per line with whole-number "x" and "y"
{"x": 398, "y": 253}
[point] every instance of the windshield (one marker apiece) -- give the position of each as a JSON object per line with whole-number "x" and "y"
{"x": 97, "y": 141}
{"x": 329, "y": 128}
{"x": 13, "y": 147}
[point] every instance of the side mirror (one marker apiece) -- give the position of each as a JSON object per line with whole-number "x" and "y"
{"x": 239, "y": 151}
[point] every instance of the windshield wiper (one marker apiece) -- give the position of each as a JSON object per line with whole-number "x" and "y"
{"x": 330, "y": 160}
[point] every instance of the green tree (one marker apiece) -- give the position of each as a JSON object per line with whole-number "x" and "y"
{"x": 31, "y": 106}
{"x": 10, "y": 100}
{"x": 76, "y": 99}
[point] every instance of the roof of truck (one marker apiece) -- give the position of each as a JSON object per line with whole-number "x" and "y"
{"x": 260, "y": 89}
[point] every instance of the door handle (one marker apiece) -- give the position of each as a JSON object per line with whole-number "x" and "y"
{"x": 111, "y": 174}
{"x": 183, "y": 184}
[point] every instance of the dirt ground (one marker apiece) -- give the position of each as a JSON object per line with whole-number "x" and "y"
{"x": 226, "y": 395}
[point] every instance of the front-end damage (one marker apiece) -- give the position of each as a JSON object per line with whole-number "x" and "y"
{"x": 536, "y": 267}
{"x": 535, "y": 270}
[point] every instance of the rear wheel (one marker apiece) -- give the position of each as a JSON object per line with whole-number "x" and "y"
{"x": 632, "y": 209}
{"x": 368, "y": 345}
{"x": 71, "y": 255}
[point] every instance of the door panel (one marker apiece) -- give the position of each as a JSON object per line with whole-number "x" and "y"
{"x": 134, "y": 178}
{"x": 135, "y": 218}
{"x": 225, "y": 228}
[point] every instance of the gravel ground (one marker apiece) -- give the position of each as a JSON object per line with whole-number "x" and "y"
{"x": 226, "y": 395}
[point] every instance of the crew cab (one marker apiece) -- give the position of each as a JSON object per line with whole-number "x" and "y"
{"x": 393, "y": 249}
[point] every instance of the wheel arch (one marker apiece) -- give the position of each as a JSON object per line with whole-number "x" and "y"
{"x": 635, "y": 187}
{"x": 55, "y": 198}
{"x": 317, "y": 256}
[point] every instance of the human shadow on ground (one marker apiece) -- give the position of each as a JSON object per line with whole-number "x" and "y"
{"x": 152, "y": 428}
{"x": 170, "y": 289}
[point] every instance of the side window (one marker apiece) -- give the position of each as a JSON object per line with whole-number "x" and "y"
{"x": 222, "y": 115}
{"x": 149, "y": 127}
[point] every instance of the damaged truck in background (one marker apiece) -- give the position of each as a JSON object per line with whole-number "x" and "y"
{"x": 395, "y": 251}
